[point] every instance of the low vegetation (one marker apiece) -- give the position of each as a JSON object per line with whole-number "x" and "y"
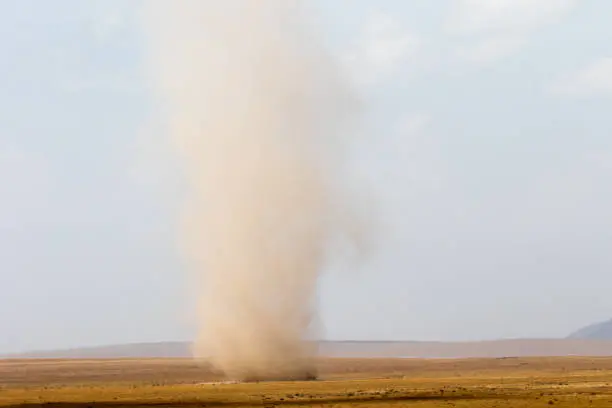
{"x": 511, "y": 382}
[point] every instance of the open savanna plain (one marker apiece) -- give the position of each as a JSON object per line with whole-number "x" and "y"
{"x": 503, "y": 382}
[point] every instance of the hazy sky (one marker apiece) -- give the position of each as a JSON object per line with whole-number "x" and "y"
{"x": 488, "y": 153}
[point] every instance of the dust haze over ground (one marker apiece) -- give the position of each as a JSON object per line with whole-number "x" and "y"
{"x": 259, "y": 115}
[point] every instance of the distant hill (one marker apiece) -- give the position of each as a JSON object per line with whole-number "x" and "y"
{"x": 366, "y": 349}
{"x": 597, "y": 331}
{"x": 168, "y": 349}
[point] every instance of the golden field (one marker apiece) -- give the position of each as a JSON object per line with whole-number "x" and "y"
{"x": 503, "y": 382}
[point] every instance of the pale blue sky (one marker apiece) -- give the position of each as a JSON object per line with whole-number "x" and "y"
{"x": 488, "y": 150}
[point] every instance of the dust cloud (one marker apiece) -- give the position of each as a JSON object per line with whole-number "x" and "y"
{"x": 259, "y": 113}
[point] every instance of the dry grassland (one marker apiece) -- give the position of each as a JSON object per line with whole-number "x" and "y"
{"x": 511, "y": 382}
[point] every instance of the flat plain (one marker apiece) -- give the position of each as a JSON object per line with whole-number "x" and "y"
{"x": 496, "y": 382}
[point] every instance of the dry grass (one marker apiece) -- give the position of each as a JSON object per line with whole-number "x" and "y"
{"x": 531, "y": 382}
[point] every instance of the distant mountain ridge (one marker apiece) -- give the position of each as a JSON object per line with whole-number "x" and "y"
{"x": 597, "y": 331}
{"x": 362, "y": 349}
{"x": 591, "y": 340}
{"x": 166, "y": 349}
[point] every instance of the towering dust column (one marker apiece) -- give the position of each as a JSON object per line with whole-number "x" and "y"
{"x": 255, "y": 107}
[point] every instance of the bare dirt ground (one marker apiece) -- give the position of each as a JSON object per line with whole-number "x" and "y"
{"x": 501, "y": 382}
